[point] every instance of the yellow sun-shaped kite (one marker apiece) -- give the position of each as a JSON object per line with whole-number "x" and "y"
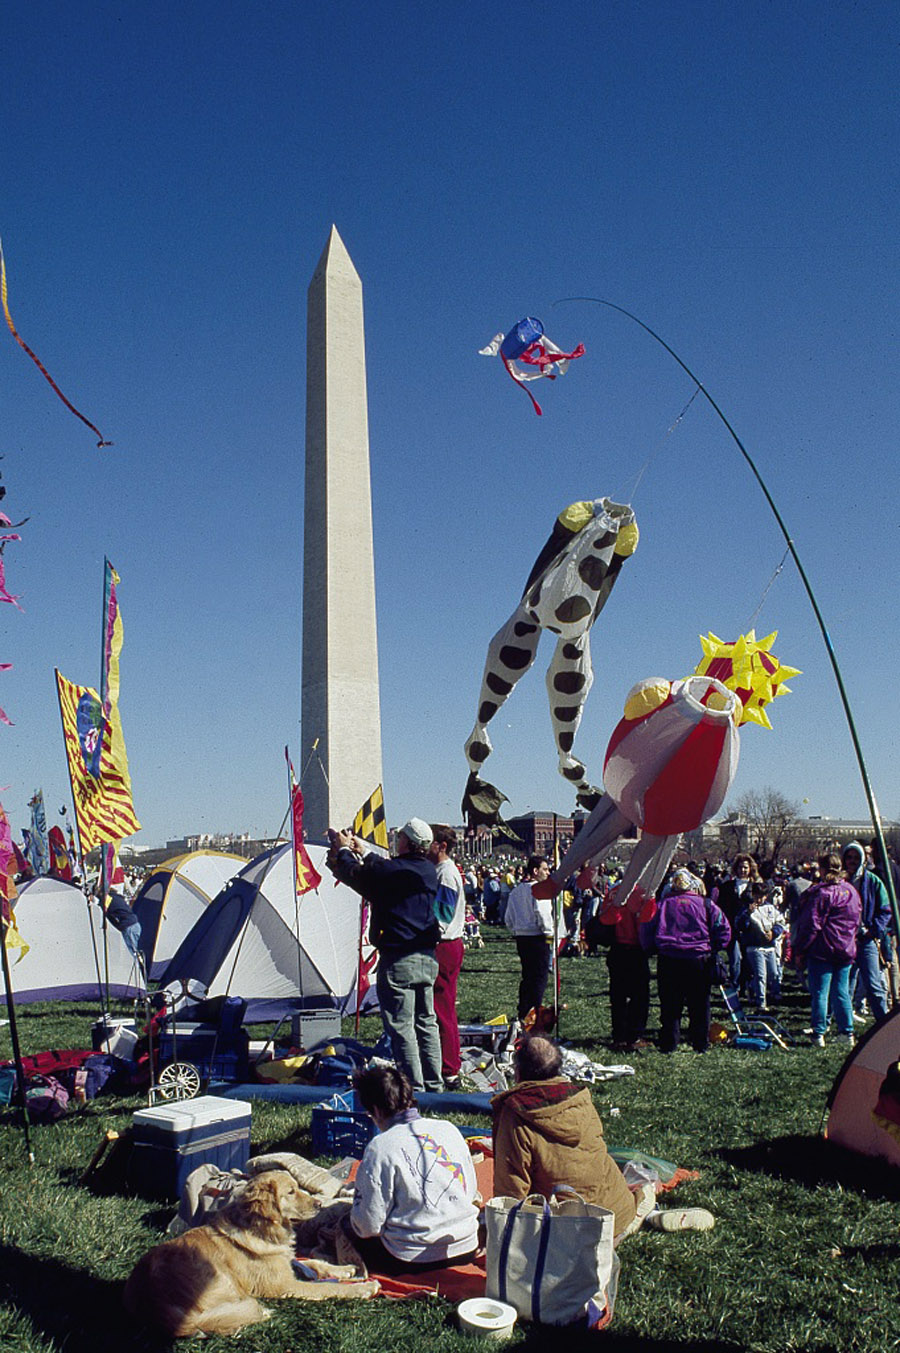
{"x": 750, "y": 669}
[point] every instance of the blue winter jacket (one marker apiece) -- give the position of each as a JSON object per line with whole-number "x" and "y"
{"x": 401, "y": 893}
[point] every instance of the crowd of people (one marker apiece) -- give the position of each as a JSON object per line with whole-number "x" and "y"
{"x": 740, "y": 925}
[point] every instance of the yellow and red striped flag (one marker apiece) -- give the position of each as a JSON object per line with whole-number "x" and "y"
{"x": 98, "y": 767}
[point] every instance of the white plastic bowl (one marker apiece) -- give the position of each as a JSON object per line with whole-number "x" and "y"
{"x": 483, "y": 1315}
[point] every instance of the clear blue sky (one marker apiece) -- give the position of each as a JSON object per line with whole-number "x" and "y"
{"x": 170, "y": 175}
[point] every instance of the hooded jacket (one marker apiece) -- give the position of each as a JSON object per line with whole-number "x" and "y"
{"x": 876, "y": 909}
{"x": 548, "y": 1133}
{"x": 687, "y": 926}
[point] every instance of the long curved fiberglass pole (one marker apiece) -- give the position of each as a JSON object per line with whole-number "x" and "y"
{"x": 863, "y": 769}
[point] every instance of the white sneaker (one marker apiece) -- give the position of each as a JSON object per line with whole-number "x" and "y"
{"x": 847, "y": 1039}
{"x": 858, "y": 1018}
{"x": 684, "y": 1219}
{"x": 818, "y": 1040}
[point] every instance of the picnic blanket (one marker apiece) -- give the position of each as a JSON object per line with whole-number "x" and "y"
{"x": 455, "y": 1283}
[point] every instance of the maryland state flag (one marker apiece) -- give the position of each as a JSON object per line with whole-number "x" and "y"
{"x": 98, "y": 767}
{"x": 306, "y": 876}
{"x": 8, "y": 890}
{"x": 369, "y": 821}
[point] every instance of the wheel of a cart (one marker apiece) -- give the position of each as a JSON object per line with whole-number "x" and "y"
{"x": 178, "y": 1080}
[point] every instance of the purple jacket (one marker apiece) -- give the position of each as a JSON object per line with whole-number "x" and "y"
{"x": 687, "y": 924}
{"x": 828, "y": 921}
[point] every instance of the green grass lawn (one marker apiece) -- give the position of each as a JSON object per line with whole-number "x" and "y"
{"x": 804, "y": 1254}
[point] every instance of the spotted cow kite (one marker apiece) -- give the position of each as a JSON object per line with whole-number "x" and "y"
{"x": 566, "y": 590}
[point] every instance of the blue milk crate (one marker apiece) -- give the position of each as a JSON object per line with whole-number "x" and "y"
{"x": 217, "y": 1056}
{"x": 341, "y": 1127}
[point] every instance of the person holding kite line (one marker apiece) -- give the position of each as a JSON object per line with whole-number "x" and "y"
{"x": 404, "y": 929}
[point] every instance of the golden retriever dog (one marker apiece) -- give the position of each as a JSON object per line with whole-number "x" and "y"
{"x": 207, "y": 1280}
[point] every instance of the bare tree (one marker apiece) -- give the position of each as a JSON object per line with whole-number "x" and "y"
{"x": 769, "y": 820}
{"x": 733, "y": 834}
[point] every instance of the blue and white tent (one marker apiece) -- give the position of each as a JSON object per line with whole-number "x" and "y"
{"x": 255, "y": 942}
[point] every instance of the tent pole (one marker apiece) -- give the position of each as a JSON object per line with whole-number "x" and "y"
{"x": 829, "y": 646}
{"x": 290, "y": 776}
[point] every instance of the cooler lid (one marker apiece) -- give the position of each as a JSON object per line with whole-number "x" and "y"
{"x": 192, "y": 1113}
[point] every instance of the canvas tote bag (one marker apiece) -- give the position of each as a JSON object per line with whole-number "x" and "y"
{"x": 553, "y": 1261}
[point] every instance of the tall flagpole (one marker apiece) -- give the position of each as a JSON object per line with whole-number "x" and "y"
{"x": 104, "y": 701}
{"x": 290, "y": 775}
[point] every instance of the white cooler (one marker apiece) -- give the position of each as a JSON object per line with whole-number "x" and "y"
{"x": 171, "y": 1140}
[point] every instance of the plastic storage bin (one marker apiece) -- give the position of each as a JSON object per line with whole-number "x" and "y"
{"x": 118, "y": 1036}
{"x": 341, "y": 1127}
{"x": 310, "y": 1027}
{"x": 171, "y": 1140}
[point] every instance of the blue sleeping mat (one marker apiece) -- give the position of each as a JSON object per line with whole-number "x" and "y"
{"x": 318, "y": 1094}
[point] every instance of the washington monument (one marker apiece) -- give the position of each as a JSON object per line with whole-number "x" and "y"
{"x": 339, "y": 684}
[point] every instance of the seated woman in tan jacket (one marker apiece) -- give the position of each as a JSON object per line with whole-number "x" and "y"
{"x": 547, "y": 1133}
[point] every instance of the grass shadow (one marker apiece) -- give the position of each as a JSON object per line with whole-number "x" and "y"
{"x": 812, "y": 1161}
{"x": 536, "y": 1337}
{"x": 84, "y": 1312}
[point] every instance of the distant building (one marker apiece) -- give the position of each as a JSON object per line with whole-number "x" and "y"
{"x": 536, "y": 832}
{"x": 235, "y": 842}
{"x": 809, "y": 836}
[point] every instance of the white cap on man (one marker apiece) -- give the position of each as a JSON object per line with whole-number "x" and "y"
{"x": 417, "y": 833}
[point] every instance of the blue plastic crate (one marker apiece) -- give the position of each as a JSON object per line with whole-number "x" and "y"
{"x": 216, "y": 1056}
{"x": 341, "y": 1127}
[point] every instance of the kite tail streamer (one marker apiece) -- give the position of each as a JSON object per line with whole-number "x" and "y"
{"x": 522, "y": 386}
{"x": 37, "y": 361}
{"x": 537, "y": 356}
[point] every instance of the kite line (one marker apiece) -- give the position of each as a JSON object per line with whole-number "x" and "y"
{"x": 37, "y": 361}
{"x": 829, "y": 646}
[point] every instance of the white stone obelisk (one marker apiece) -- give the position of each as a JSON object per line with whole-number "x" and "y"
{"x": 339, "y": 685}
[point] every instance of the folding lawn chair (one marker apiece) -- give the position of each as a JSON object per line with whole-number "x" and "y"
{"x": 754, "y": 1027}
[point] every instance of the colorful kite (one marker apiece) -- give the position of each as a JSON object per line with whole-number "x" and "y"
{"x": 750, "y": 669}
{"x": 669, "y": 765}
{"x": 4, "y": 717}
{"x": 4, "y": 594}
{"x": 566, "y": 590}
{"x": 306, "y": 875}
{"x": 527, "y": 343}
{"x": 38, "y": 363}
